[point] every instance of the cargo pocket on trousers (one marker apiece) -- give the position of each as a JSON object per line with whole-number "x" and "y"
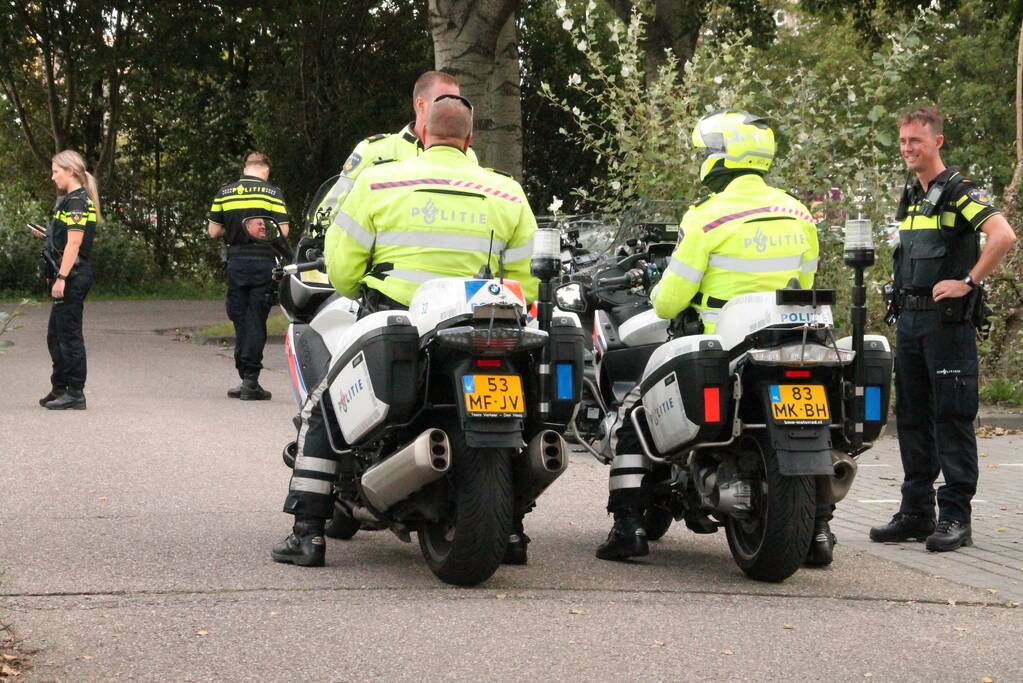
{"x": 955, "y": 388}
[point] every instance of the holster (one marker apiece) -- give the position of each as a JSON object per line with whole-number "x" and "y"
{"x": 685, "y": 324}
{"x": 979, "y": 312}
{"x": 891, "y": 302}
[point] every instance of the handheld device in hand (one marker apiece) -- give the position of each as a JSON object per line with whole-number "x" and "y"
{"x": 35, "y": 227}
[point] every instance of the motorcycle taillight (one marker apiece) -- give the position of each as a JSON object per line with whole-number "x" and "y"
{"x": 491, "y": 341}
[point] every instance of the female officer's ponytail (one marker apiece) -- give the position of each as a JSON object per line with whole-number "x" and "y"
{"x": 71, "y": 160}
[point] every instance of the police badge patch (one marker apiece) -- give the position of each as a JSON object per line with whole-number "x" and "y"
{"x": 352, "y": 161}
{"x": 980, "y": 196}
{"x": 76, "y": 217}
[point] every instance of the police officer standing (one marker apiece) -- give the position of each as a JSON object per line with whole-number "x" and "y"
{"x": 405, "y": 144}
{"x": 69, "y": 241}
{"x": 250, "y": 265}
{"x": 938, "y": 267}
{"x": 744, "y": 237}
{"x": 395, "y": 231}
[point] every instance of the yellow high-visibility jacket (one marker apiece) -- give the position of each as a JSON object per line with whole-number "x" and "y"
{"x": 750, "y": 237}
{"x": 439, "y": 215}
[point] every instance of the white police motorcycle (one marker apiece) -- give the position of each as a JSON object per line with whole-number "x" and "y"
{"x": 447, "y": 417}
{"x": 752, "y": 425}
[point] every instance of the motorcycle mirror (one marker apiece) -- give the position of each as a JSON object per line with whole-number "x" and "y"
{"x": 571, "y": 298}
{"x": 262, "y": 229}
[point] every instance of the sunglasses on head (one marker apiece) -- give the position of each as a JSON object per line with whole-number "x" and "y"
{"x": 461, "y": 99}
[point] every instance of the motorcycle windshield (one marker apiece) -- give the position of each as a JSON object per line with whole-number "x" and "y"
{"x": 311, "y": 217}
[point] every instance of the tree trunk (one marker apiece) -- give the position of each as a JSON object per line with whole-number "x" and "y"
{"x": 674, "y": 25}
{"x": 1012, "y": 191}
{"x": 465, "y": 40}
{"x": 504, "y": 144}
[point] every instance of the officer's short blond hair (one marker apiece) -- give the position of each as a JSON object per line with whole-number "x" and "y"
{"x": 449, "y": 119}
{"x": 926, "y": 114}
{"x": 425, "y": 82}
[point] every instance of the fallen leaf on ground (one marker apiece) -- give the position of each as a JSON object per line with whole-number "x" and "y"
{"x": 9, "y": 658}
{"x": 788, "y": 626}
{"x": 987, "y": 679}
{"x": 952, "y": 602}
{"x": 1002, "y": 529}
{"x": 727, "y": 652}
{"x": 575, "y": 611}
{"x": 501, "y": 596}
{"x": 992, "y": 591}
{"x": 961, "y": 628}
{"x": 202, "y": 632}
{"x": 868, "y": 675}
{"x": 658, "y": 643}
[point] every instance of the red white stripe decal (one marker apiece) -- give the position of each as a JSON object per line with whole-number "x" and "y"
{"x": 446, "y": 181}
{"x": 763, "y": 209}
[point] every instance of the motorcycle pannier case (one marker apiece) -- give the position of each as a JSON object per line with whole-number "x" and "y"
{"x": 374, "y": 379}
{"x": 686, "y": 392}
{"x": 877, "y": 383}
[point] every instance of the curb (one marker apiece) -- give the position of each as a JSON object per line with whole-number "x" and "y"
{"x": 991, "y": 419}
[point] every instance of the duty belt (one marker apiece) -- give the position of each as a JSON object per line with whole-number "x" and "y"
{"x": 708, "y": 301}
{"x": 916, "y": 302}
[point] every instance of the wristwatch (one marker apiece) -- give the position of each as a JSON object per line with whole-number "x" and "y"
{"x": 61, "y": 277}
{"x": 969, "y": 280}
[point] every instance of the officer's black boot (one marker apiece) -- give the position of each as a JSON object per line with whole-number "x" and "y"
{"x": 55, "y": 392}
{"x": 74, "y": 399}
{"x": 251, "y": 391}
{"x": 822, "y": 546}
{"x": 627, "y": 538}
{"x": 903, "y": 527}
{"x": 950, "y": 534}
{"x": 515, "y": 553}
{"x": 235, "y": 392}
{"x": 304, "y": 546}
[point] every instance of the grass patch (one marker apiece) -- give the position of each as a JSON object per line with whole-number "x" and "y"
{"x": 1002, "y": 392}
{"x": 275, "y": 324}
{"x": 168, "y": 289}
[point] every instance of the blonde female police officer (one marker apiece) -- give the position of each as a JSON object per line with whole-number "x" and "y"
{"x": 69, "y": 240}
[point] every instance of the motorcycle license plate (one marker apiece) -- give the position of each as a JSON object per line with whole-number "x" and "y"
{"x": 493, "y": 395}
{"x": 799, "y": 404}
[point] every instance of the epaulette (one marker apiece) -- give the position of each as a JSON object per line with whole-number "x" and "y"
{"x": 378, "y": 136}
{"x": 499, "y": 172}
{"x": 702, "y": 199}
{"x": 383, "y": 161}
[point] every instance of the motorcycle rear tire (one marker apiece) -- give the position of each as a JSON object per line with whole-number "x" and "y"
{"x": 468, "y": 549}
{"x": 773, "y": 545}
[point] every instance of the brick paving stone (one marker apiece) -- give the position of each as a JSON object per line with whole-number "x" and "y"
{"x": 994, "y": 563}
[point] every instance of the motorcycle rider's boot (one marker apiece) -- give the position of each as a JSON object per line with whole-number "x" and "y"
{"x": 55, "y": 392}
{"x": 251, "y": 391}
{"x": 627, "y": 538}
{"x": 515, "y": 553}
{"x": 822, "y": 546}
{"x": 304, "y": 546}
{"x": 950, "y": 534}
{"x": 903, "y": 527}
{"x": 73, "y": 399}
{"x": 235, "y": 392}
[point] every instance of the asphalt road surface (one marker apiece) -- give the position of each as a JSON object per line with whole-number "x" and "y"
{"x": 134, "y": 545}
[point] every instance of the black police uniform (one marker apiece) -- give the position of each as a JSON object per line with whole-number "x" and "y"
{"x": 936, "y": 350}
{"x": 249, "y": 265}
{"x": 72, "y": 212}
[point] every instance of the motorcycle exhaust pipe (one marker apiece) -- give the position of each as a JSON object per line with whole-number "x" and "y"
{"x": 832, "y": 489}
{"x": 421, "y": 462}
{"x": 545, "y": 459}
